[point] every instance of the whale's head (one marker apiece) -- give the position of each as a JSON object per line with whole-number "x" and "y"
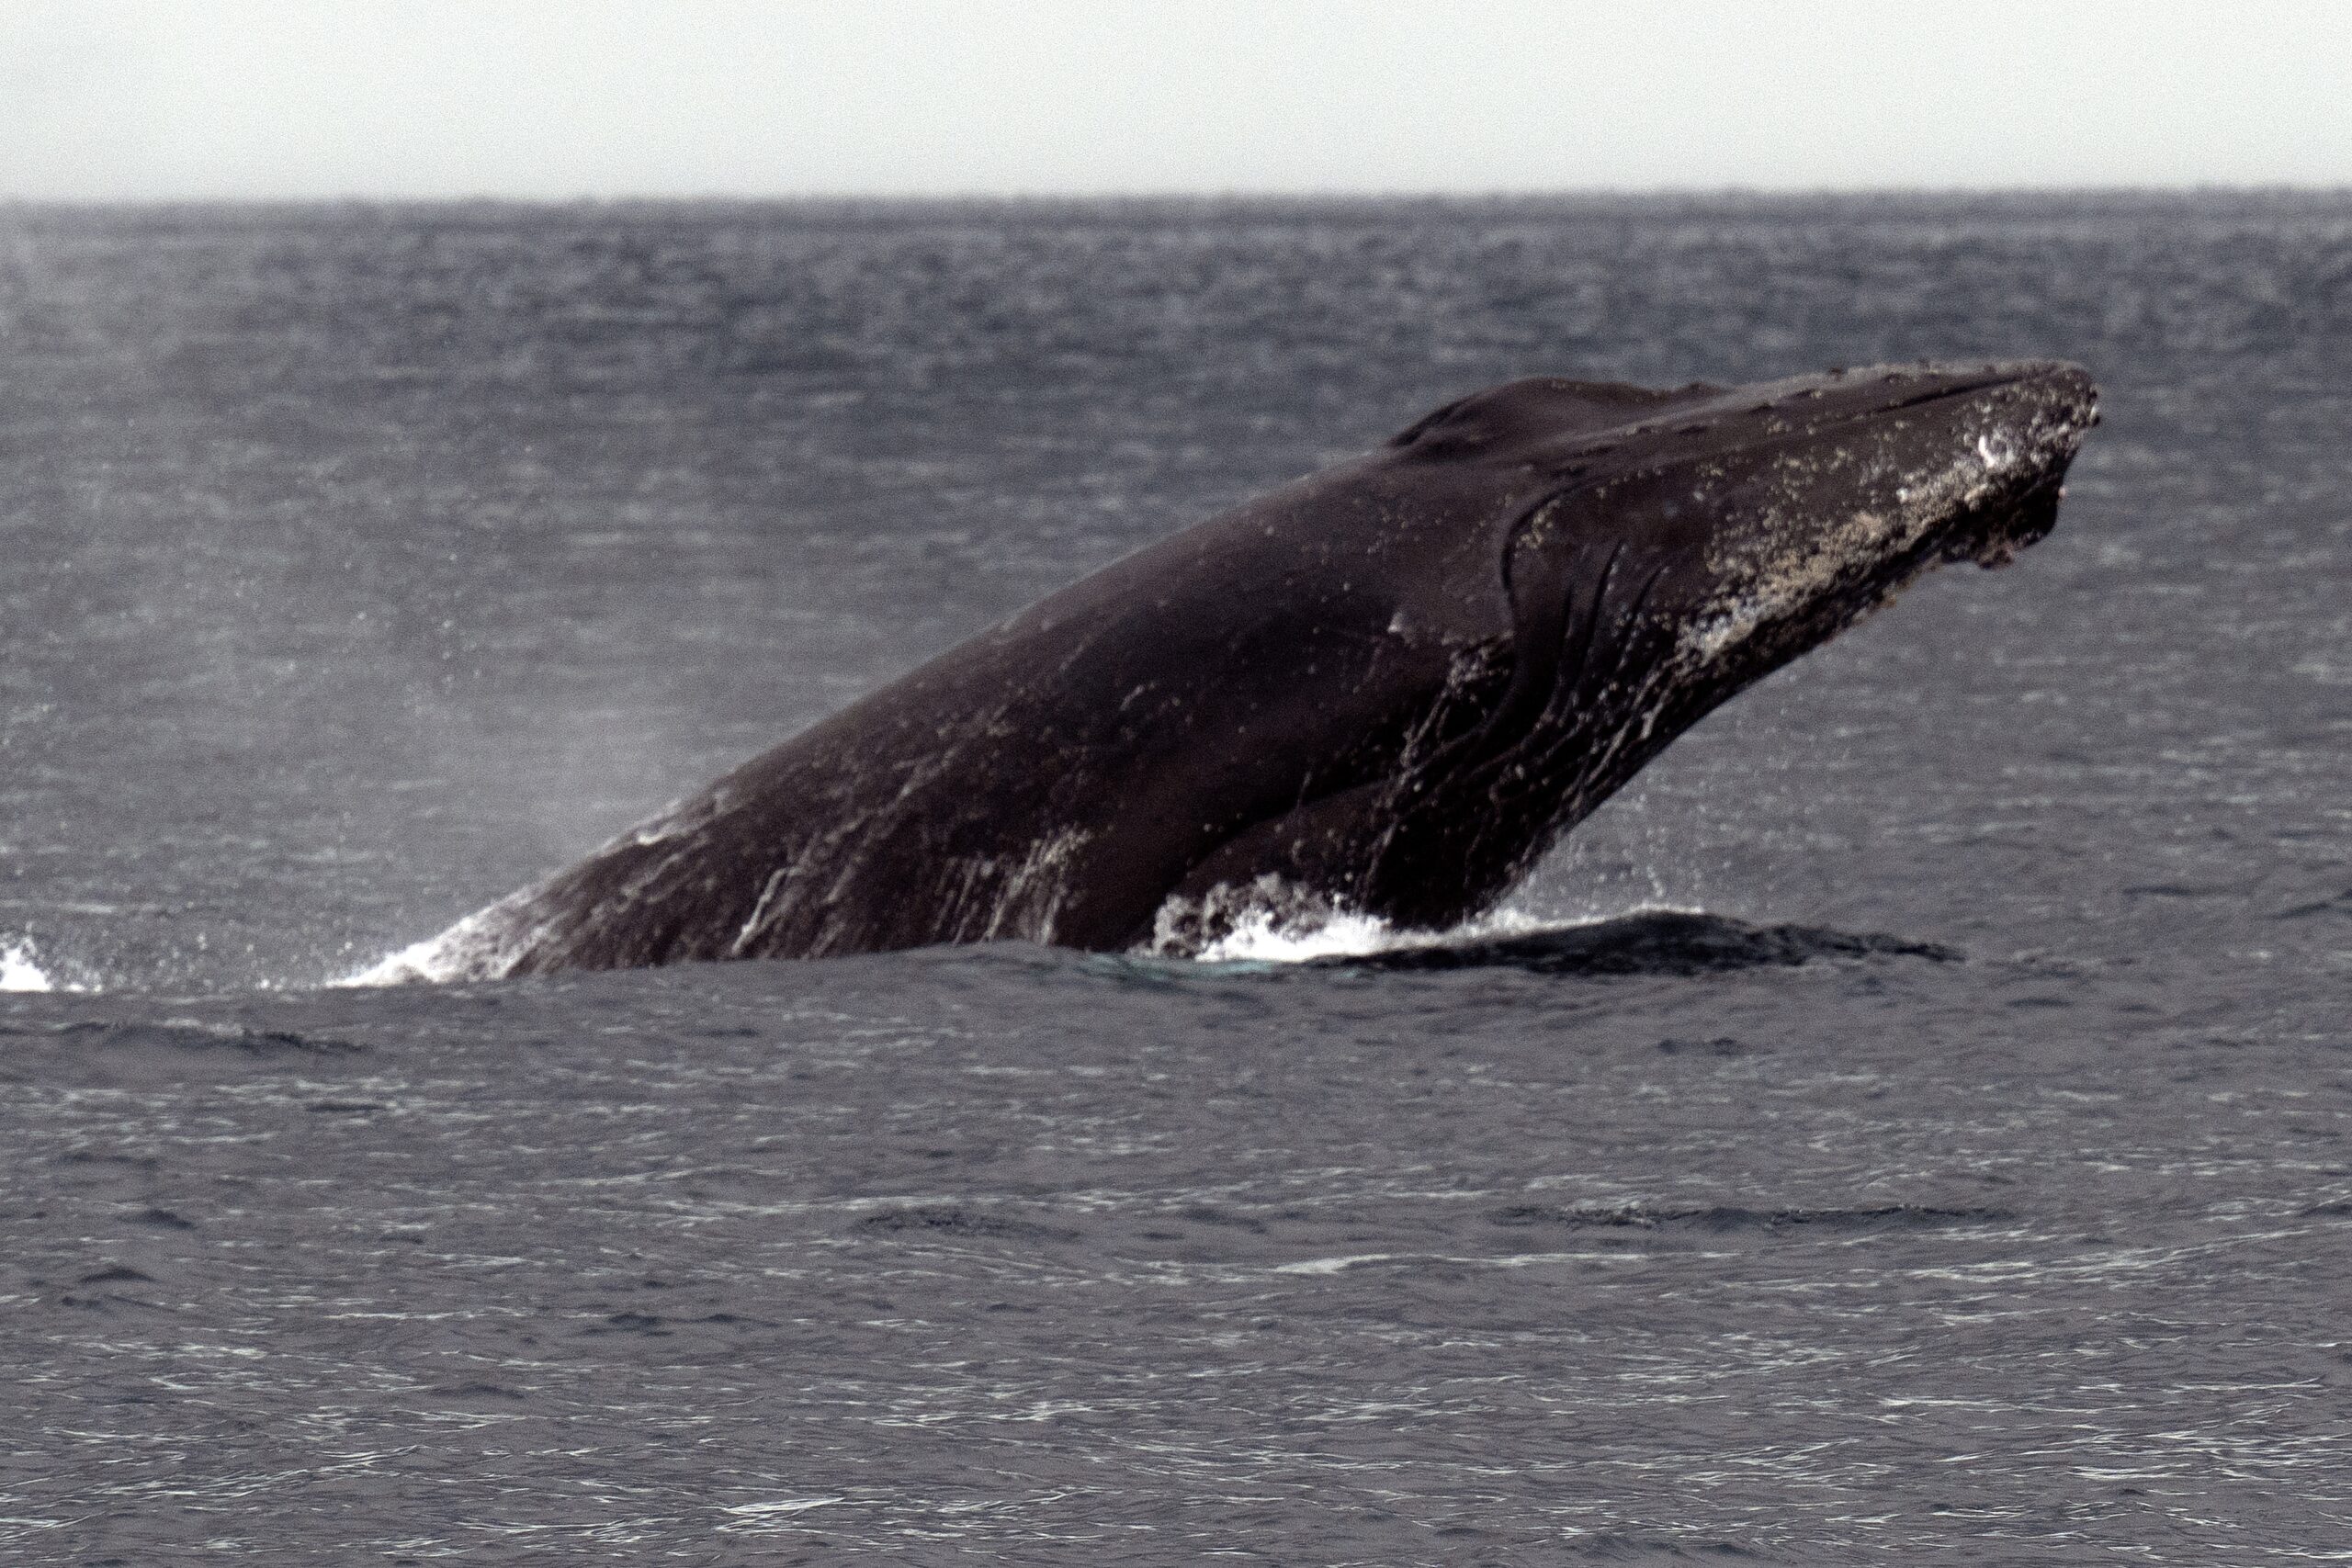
{"x": 1677, "y": 546}
{"x": 1801, "y": 506}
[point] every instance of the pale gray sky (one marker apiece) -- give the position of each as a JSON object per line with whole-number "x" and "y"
{"x": 137, "y": 99}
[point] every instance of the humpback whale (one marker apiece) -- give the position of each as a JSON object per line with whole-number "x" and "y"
{"x": 1387, "y": 688}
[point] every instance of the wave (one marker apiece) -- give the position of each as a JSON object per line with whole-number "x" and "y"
{"x": 1651, "y": 941}
{"x": 180, "y": 1035}
{"x": 1725, "y": 1217}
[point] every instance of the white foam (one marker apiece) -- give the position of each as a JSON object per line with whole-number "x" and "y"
{"x": 435, "y": 961}
{"x": 410, "y": 965}
{"x": 1263, "y": 936}
{"x": 473, "y": 949}
{"x": 17, "y": 970}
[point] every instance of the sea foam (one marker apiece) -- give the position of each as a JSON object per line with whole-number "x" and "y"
{"x": 17, "y": 970}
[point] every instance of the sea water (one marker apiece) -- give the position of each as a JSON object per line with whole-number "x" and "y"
{"x": 1963, "y": 1170}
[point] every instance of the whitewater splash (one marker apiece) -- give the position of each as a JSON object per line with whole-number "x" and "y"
{"x": 1265, "y": 935}
{"x": 17, "y": 970}
{"x": 427, "y": 963}
{"x": 1257, "y": 936}
{"x": 1262, "y": 923}
{"x": 1269, "y": 921}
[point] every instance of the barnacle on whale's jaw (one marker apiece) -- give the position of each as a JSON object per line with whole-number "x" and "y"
{"x": 2036, "y": 426}
{"x": 1840, "y": 512}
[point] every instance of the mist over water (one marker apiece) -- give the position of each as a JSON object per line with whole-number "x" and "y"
{"x": 1960, "y": 1166}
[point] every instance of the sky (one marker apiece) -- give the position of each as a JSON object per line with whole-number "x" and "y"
{"x": 135, "y": 100}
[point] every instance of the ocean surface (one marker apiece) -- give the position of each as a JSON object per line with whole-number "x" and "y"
{"x": 1958, "y": 1169}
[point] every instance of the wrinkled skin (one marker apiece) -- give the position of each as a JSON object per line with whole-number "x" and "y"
{"x": 1390, "y": 687}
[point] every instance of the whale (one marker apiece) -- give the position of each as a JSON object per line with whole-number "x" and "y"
{"x": 1386, "y": 688}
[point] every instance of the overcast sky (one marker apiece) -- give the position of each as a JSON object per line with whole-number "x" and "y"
{"x": 139, "y": 99}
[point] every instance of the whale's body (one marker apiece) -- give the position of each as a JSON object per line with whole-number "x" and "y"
{"x": 1387, "y": 688}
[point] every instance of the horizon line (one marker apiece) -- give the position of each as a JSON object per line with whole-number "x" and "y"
{"x": 1179, "y": 195}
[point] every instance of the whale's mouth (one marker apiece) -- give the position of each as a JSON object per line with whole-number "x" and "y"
{"x": 2000, "y": 535}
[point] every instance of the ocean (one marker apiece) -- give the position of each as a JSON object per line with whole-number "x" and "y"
{"x": 1916, "y": 1121}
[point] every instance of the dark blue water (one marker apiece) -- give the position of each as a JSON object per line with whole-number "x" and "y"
{"x": 358, "y": 565}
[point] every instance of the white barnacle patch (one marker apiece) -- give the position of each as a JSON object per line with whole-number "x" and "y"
{"x": 1730, "y": 623}
{"x": 1785, "y": 561}
{"x": 1795, "y": 549}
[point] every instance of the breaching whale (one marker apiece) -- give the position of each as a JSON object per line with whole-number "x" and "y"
{"x": 1387, "y": 688}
